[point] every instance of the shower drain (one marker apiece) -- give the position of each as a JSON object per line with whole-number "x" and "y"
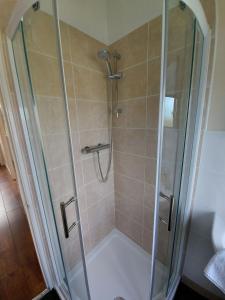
{"x": 119, "y": 298}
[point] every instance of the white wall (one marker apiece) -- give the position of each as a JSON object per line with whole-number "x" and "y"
{"x": 106, "y": 20}
{"x": 217, "y": 110}
{"x": 126, "y": 15}
{"x": 90, "y": 16}
{"x": 209, "y": 199}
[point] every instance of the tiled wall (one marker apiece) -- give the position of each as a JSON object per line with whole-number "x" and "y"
{"x": 179, "y": 62}
{"x": 134, "y": 131}
{"x": 87, "y": 93}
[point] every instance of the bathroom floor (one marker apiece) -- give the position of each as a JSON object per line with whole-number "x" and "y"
{"x": 117, "y": 267}
{"x": 20, "y": 274}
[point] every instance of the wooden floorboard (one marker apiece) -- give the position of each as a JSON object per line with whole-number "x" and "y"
{"x": 20, "y": 274}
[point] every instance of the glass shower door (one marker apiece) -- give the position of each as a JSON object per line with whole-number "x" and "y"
{"x": 181, "y": 65}
{"x": 45, "y": 120}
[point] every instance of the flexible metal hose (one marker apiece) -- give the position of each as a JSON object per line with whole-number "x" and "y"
{"x": 104, "y": 178}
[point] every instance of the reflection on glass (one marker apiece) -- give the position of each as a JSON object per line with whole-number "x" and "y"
{"x": 169, "y": 112}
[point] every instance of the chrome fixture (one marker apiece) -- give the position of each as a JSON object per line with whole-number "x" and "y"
{"x": 113, "y": 77}
{"x": 170, "y": 199}
{"x": 63, "y": 207}
{"x": 92, "y": 149}
{"x": 36, "y": 6}
{"x": 105, "y": 55}
{"x": 182, "y": 5}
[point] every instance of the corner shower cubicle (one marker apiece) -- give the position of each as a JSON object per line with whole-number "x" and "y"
{"x": 108, "y": 101}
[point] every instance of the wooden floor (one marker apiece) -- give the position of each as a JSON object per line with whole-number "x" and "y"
{"x": 20, "y": 274}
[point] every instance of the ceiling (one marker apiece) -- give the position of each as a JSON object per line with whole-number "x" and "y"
{"x": 6, "y": 9}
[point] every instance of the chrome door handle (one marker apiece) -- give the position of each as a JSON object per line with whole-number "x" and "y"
{"x": 171, "y": 201}
{"x": 63, "y": 206}
{"x": 170, "y": 213}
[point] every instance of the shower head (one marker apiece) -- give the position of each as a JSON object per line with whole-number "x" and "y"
{"x": 105, "y": 55}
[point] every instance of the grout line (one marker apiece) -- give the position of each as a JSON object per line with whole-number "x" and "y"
{"x": 78, "y": 99}
{"x": 135, "y": 155}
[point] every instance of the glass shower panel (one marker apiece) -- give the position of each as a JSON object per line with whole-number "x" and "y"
{"x": 112, "y": 60}
{"x": 180, "y": 52}
{"x": 193, "y": 108}
{"x": 43, "y": 105}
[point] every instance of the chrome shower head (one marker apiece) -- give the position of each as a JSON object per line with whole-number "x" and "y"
{"x": 105, "y": 55}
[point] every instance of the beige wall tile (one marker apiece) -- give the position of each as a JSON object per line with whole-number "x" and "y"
{"x": 45, "y": 75}
{"x": 175, "y": 72}
{"x": 79, "y": 175}
{"x": 51, "y": 115}
{"x": 82, "y": 202}
{"x": 148, "y": 218}
{"x": 147, "y": 240}
{"x": 149, "y": 195}
{"x": 152, "y": 111}
{"x": 61, "y": 182}
{"x": 133, "y": 84}
{"x": 102, "y": 210}
{"x": 101, "y": 219}
{"x": 56, "y": 150}
{"x": 136, "y": 113}
{"x": 85, "y": 49}
{"x": 132, "y": 141}
{"x": 129, "y": 227}
{"x": 127, "y": 186}
{"x": 68, "y": 68}
{"x": 44, "y": 113}
{"x": 129, "y": 207}
{"x": 92, "y": 115}
{"x": 133, "y": 114}
{"x": 96, "y": 190}
{"x": 150, "y": 170}
{"x": 72, "y": 251}
{"x": 89, "y": 121}
{"x": 73, "y": 118}
{"x": 132, "y": 47}
{"x": 129, "y": 165}
{"x": 76, "y": 145}
{"x": 151, "y": 143}
{"x": 155, "y": 38}
{"x": 154, "y": 76}
{"x": 90, "y": 85}
{"x": 40, "y": 32}
{"x": 66, "y": 45}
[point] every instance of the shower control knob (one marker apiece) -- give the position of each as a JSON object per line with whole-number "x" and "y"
{"x": 85, "y": 149}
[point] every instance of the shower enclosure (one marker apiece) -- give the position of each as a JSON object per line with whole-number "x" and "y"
{"x": 109, "y": 113}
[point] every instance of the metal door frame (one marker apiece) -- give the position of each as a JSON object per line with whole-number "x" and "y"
{"x": 190, "y": 180}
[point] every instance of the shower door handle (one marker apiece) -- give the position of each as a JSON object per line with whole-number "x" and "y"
{"x": 171, "y": 202}
{"x": 66, "y": 227}
{"x": 170, "y": 213}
